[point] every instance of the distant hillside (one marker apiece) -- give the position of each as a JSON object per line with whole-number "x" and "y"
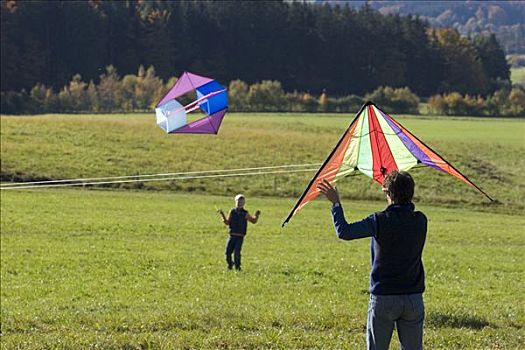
{"x": 504, "y": 18}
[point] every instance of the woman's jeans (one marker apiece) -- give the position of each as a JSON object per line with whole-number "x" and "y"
{"x": 405, "y": 311}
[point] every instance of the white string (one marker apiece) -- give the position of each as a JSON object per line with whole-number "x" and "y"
{"x": 137, "y": 177}
{"x": 157, "y": 179}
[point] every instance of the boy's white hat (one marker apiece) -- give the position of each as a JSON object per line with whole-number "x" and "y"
{"x": 239, "y": 196}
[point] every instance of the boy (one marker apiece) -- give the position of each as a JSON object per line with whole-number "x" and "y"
{"x": 397, "y": 278}
{"x": 237, "y": 222}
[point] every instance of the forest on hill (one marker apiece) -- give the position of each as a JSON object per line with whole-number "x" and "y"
{"x": 307, "y": 47}
{"x": 506, "y": 19}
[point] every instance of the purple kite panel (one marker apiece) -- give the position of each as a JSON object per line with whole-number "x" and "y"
{"x": 216, "y": 119}
{"x": 186, "y": 83}
{"x": 409, "y": 144}
{"x": 206, "y": 125}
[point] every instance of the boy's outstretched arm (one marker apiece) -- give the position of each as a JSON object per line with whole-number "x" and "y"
{"x": 252, "y": 219}
{"x": 359, "y": 229}
{"x": 224, "y": 220}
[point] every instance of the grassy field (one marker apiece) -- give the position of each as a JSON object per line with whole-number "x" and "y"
{"x": 517, "y": 75}
{"x": 141, "y": 266}
{"x": 489, "y": 151}
{"x": 114, "y": 269}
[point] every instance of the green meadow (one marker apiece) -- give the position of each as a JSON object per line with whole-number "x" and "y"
{"x": 488, "y": 151}
{"x": 111, "y": 270}
{"x": 141, "y": 266}
{"x": 517, "y": 75}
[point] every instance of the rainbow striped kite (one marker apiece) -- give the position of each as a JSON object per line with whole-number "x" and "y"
{"x": 375, "y": 144}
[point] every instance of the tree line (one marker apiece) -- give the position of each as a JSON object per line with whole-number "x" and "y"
{"x": 142, "y": 91}
{"x": 305, "y": 46}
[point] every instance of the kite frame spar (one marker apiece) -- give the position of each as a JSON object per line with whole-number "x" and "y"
{"x": 350, "y": 131}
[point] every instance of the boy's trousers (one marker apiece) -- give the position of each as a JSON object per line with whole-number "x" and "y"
{"x": 234, "y": 246}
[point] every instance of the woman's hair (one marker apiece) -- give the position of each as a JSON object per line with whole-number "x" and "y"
{"x": 239, "y": 196}
{"x": 399, "y": 186}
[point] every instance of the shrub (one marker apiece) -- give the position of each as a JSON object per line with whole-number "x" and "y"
{"x": 43, "y": 99}
{"x": 93, "y": 98}
{"x": 73, "y": 97}
{"x": 129, "y": 98}
{"x": 109, "y": 90}
{"x": 345, "y": 104}
{"x": 474, "y": 105}
{"x": 293, "y": 102}
{"x": 323, "y": 102}
{"x": 310, "y": 104}
{"x": 266, "y": 96}
{"x": 496, "y": 101}
{"x": 397, "y": 100}
{"x": 503, "y": 102}
{"x": 437, "y": 105}
{"x": 238, "y": 96}
{"x": 454, "y": 103}
{"x": 151, "y": 87}
{"x": 516, "y": 102}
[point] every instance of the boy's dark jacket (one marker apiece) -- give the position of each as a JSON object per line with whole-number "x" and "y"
{"x": 238, "y": 222}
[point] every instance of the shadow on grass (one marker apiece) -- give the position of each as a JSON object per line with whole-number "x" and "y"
{"x": 442, "y": 320}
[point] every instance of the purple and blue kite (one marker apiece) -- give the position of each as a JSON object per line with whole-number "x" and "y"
{"x": 211, "y": 99}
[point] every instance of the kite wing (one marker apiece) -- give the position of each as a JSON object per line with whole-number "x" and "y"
{"x": 375, "y": 144}
{"x": 212, "y": 100}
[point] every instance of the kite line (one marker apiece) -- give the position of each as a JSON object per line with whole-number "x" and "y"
{"x": 278, "y": 169}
